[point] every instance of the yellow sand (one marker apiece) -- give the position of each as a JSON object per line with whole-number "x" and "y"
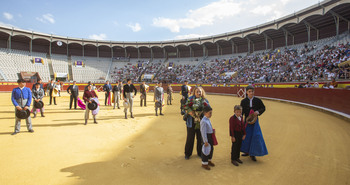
{"x": 305, "y": 147}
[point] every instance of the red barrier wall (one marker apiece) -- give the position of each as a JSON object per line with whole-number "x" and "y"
{"x": 336, "y": 99}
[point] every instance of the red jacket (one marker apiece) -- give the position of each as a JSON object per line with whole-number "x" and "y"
{"x": 236, "y": 125}
{"x": 89, "y": 94}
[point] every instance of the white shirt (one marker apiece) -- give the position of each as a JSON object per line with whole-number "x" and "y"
{"x": 206, "y": 128}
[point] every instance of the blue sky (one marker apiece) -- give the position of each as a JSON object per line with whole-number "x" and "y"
{"x": 146, "y": 20}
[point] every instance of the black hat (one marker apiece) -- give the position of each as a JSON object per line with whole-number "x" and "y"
{"x": 92, "y": 105}
{"x": 22, "y": 114}
{"x": 38, "y": 104}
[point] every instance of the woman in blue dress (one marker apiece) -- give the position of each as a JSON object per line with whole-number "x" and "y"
{"x": 254, "y": 144}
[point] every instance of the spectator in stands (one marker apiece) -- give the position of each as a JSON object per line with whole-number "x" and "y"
{"x": 51, "y": 86}
{"x": 334, "y": 83}
{"x": 21, "y": 99}
{"x": 107, "y": 88}
{"x": 73, "y": 91}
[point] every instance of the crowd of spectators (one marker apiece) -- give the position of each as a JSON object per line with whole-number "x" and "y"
{"x": 290, "y": 65}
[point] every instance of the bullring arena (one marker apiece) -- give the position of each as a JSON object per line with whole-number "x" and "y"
{"x": 299, "y": 65}
{"x": 305, "y": 147}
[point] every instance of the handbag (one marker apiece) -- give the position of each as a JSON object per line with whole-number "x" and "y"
{"x": 215, "y": 141}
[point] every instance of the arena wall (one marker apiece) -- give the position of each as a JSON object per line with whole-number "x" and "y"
{"x": 335, "y": 99}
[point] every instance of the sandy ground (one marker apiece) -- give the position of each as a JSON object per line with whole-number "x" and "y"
{"x": 305, "y": 147}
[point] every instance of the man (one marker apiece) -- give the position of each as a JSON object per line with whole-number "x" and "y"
{"x": 21, "y": 99}
{"x": 122, "y": 89}
{"x": 129, "y": 96}
{"x": 41, "y": 85}
{"x": 107, "y": 88}
{"x": 50, "y": 87}
{"x": 184, "y": 93}
{"x": 86, "y": 87}
{"x": 184, "y": 90}
{"x": 38, "y": 95}
{"x": 143, "y": 91}
{"x": 88, "y": 98}
{"x": 159, "y": 97}
{"x": 169, "y": 91}
{"x": 73, "y": 91}
{"x": 116, "y": 92}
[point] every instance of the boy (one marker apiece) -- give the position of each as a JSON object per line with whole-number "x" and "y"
{"x": 206, "y": 132}
{"x": 237, "y": 133}
{"x": 21, "y": 99}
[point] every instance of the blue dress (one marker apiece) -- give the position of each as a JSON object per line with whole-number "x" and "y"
{"x": 254, "y": 143}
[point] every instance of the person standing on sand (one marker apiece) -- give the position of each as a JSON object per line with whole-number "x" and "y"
{"x": 254, "y": 144}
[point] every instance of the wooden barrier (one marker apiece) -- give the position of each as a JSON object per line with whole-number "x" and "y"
{"x": 335, "y": 99}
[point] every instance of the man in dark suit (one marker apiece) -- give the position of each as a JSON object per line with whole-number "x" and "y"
{"x": 41, "y": 85}
{"x": 50, "y": 87}
{"x": 73, "y": 90}
{"x": 129, "y": 97}
{"x": 184, "y": 93}
{"x": 107, "y": 88}
{"x": 116, "y": 91}
{"x": 143, "y": 91}
{"x": 184, "y": 90}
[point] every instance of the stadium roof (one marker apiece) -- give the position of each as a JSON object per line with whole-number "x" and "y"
{"x": 314, "y": 19}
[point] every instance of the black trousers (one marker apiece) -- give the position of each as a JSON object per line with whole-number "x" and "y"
{"x": 71, "y": 101}
{"x": 106, "y": 97}
{"x": 206, "y": 158}
{"x": 191, "y": 134}
{"x": 54, "y": 98}
{"x": 143, "y": 100}
{"x": 236, "y": 146}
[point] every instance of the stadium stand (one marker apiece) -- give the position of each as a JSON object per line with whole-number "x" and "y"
{"x": 304, "y": 46}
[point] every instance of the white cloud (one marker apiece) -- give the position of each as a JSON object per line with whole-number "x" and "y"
{"x": 189, "y": 36}
{"x": 46, "y": 18}
{"x": 270, "y": 11}
{"x": 206, "y": 15}
{"x": 101, "y": 36}
{"x": 134, "y": 27}
{"x": 8, "y": 16}
{"x": 7, "y": 25}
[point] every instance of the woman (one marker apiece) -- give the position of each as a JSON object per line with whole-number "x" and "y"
{"x": 88, "y": 96}
{"x": 254, "y": 144}
{"x": 194, "y": 109}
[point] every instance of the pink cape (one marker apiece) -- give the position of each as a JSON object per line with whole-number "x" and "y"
{"x": 109, "y": 99}
{"x": 81, "y": 104}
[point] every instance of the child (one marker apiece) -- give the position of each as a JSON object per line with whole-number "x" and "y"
{"x": 206, "y": 132}
{"x": 237, "y": 133}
